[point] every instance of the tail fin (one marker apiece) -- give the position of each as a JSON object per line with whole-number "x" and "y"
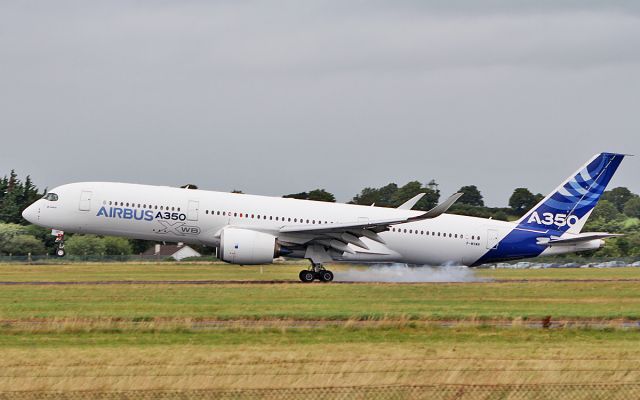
{"x": 568, "y": 207}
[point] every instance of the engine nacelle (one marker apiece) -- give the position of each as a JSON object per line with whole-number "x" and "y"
{"x": 244, "y": 246}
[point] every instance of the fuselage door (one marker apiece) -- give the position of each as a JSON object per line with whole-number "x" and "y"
{"x": 192, "y": 210}
{"x": 85, "y": 200}
{"x": 492, "y": 239}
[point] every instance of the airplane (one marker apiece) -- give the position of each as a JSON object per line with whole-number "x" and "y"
{"x": 249, "y": 229}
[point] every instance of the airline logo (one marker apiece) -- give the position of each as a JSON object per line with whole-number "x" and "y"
{"x": 140, "y": 215}
{"x": 170, "y": 222}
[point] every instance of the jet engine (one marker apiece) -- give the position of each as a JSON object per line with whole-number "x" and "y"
{"x": 244, "y": 246}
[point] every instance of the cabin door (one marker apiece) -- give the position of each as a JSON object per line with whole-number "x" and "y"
{"x": 85, "y": 200}
{"x": 192, "y": 210}
{"x": 492, "y": 239}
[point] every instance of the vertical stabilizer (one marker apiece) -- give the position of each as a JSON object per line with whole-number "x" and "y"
{"x": 568, "y": 207}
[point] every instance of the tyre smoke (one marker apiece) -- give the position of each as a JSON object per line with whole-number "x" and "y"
{"x": 405, "y": 273}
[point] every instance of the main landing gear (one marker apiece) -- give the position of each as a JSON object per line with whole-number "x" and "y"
{"x": 60, "y": 244}
{"x": 316, "y": 271}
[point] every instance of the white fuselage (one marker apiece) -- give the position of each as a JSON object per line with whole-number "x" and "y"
{"x": 169, "y": 214}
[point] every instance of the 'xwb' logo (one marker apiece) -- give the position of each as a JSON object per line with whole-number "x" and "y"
{"x": 179, "y": 228}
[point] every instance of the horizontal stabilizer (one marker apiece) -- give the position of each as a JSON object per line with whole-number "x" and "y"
{"x": 581, "y": 238}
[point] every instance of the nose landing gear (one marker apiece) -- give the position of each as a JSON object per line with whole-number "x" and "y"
{"x": 316, "y": 271}
{"x": 59, "y": 243}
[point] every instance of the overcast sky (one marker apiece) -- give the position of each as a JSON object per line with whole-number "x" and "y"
{"x": 281, "y": 97}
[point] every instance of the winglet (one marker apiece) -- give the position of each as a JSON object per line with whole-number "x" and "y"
{"x": 439, "y": 209}
{"x": 408, "y": 205}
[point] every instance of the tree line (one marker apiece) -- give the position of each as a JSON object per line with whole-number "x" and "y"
{"x": 617, "y": 211}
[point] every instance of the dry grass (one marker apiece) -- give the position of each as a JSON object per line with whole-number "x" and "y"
{"x": 189, "y": 337}
{"x": 315, "y": 365}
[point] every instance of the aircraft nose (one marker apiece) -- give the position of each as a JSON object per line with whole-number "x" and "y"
{"x": 31, "y": 213}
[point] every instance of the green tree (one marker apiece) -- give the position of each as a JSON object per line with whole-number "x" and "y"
{"x": 392, "y": 196}
{"x": 10, "y": 207}
{"x": 404, "y": 193}
{"x": 316, "y": 195}
{"x": 605, "y": 211}
{"x": 471, "y": 196}
{"x": 23, "y": 245}
{"x": 632, "y": 207}
{"x": 79, "y": 245}
{"x": 381, "y": 197}
{"x": 7, "y": 231}
{"x": 299, "y": 196}
{"x": 7, "y": 234}
{"x": 521, "y": 200}
{"x": 15, "y": 196}
{"x": 140, "y": 246}
{"x": 618, "y": 197}
{"x": 321, "y": 195}
{"x": 117, "y": 246}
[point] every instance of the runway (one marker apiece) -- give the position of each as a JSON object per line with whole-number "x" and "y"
{"x": 292, "y": 282}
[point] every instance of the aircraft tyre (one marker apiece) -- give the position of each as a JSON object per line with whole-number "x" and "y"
{"x": 307, "y": 276}
{"x": 60, "y": 252}
{"x": 325, "y": 276}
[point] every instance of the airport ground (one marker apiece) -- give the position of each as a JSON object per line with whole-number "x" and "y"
{"x": 173, "y": 326}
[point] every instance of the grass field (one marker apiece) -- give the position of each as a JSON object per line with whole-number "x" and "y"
{"x": 105, "y": 337}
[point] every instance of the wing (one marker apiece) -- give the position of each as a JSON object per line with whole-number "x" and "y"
{"x": 338, "y": 236}
{"x": 408, "y": 205}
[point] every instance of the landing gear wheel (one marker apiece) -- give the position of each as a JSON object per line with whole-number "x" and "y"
{"x": 325, "y": 276}
{"x": 60, "y": 243}
{"x": 307, "y": 276}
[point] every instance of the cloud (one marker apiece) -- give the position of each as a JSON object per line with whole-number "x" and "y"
{"x": 333, "y": 94}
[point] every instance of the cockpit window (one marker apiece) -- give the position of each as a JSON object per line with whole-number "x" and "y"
{"x": 51, "y": 197}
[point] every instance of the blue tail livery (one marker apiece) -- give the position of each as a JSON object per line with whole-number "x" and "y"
{"x": 570, "y": 204}
{"x": 553, "y": 225}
